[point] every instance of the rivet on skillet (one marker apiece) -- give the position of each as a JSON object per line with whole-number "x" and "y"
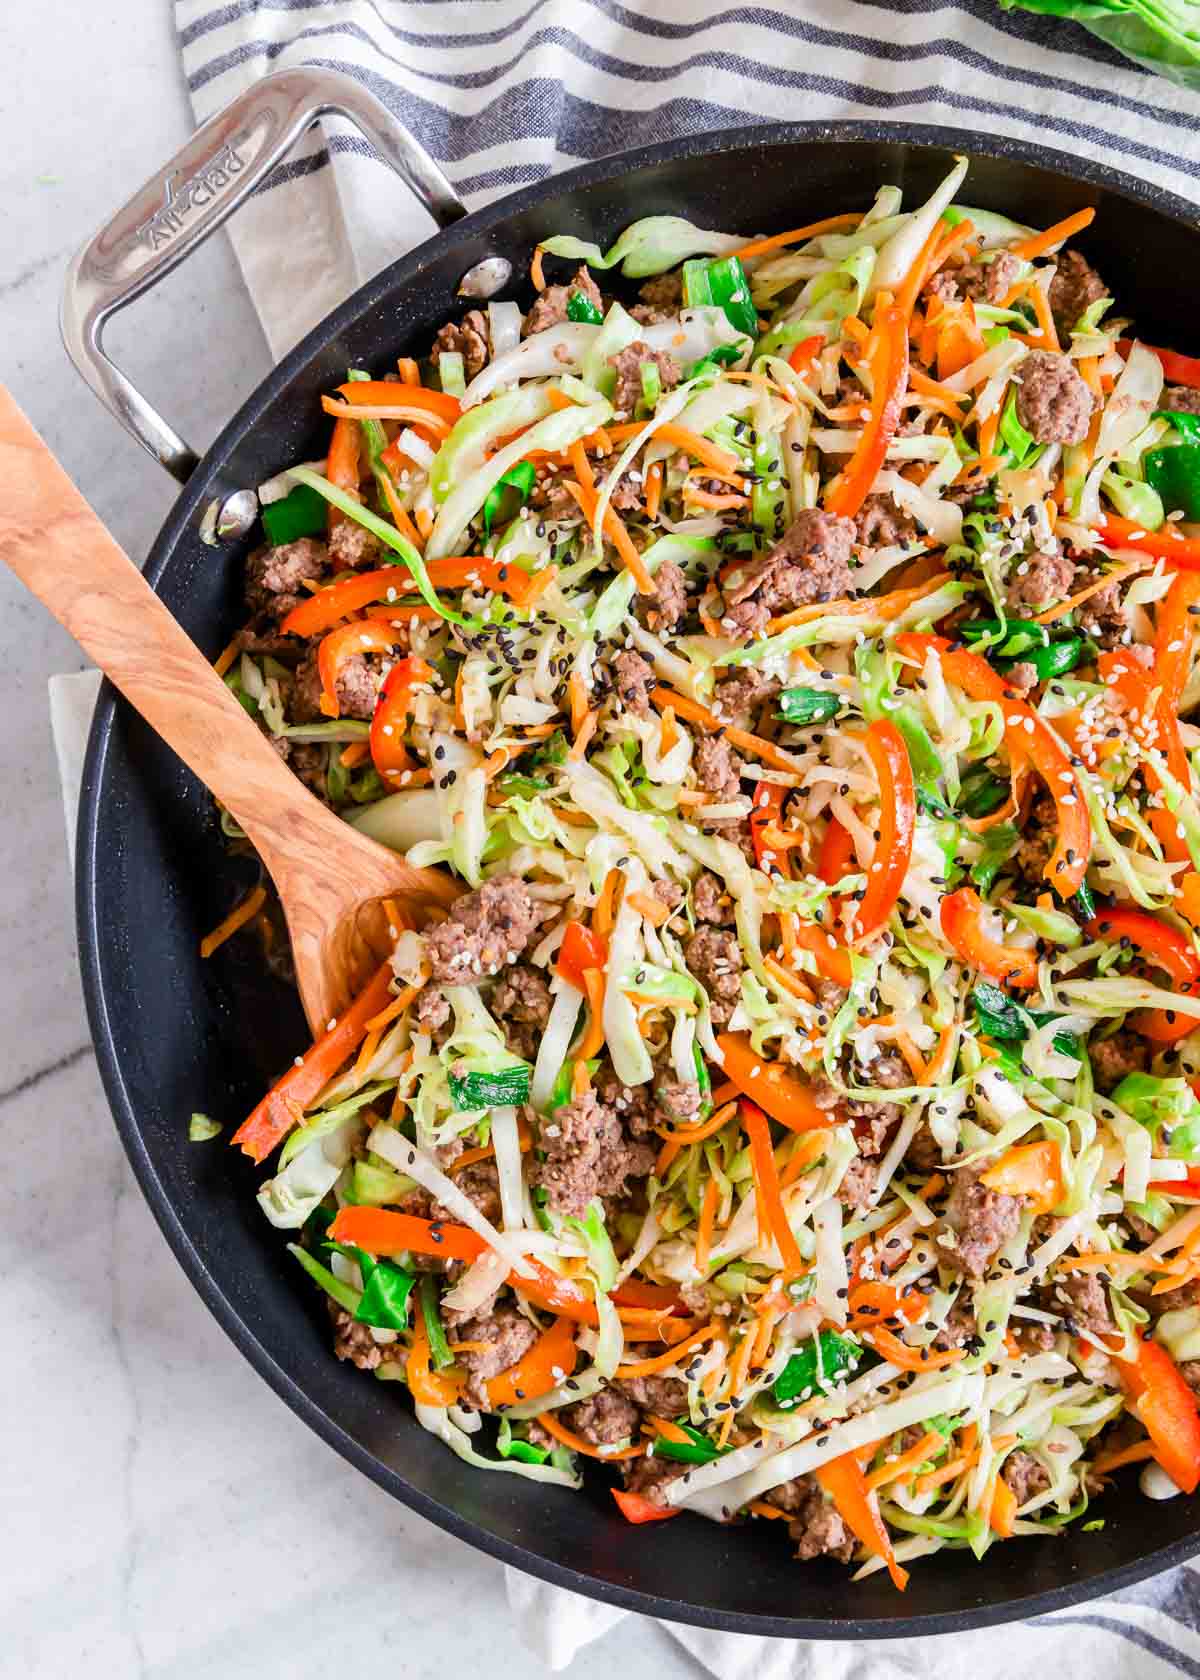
{"x": 486, "y": 278}
{"x": 238, "y": 513}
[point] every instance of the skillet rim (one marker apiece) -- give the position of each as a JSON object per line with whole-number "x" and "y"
{"x": 89, "y": 865}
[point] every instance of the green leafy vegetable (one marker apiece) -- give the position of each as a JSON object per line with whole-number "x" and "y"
{"x": 581, "y": 308}
{"x": 519, "y": 478}
{"x": 301, "y": 513}
{"x": 502, "y": 1088}
{"x": 439, "y": 1349}
{"x": 697, "y": 1449}
{"x": 1173, "y": 471}
{"x": 809, "y": 705}
{"x": 1160, "y": 35}
{"x": 826, "y": 1357}
{"x": 650, "y": 246}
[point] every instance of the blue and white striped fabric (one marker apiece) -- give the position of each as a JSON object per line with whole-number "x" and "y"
{"x": 505, "y": 92}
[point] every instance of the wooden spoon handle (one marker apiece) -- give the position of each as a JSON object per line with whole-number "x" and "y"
{"x": 57, "y": 546}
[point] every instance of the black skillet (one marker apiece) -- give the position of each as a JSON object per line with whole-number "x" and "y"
{"x": 173, "y": 1035}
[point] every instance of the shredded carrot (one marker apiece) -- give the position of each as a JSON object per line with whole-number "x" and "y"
{"x": 582, "y": 468}
{"x": 682, "y": 437}
{"x": 987, "y": 434}
{"x": 581, "y": 1080}
{"x": 605, "y": 912}
{"x": 931, "y": 1187}
{"x": 809, "y": 1147}
{"x": 535, "y": 270}
{"x": 766, "y": 1332}
{"x": 1089, "y": 372}
{"x": 881, "y": 606}
{"x": 226, "y": 657}
{"x": 654, "y": 484}
{"x": 936, "y": 1065}
{"x": 933, "y": 388}
{"x": 697, "y": 1134}
{"x": 616, "y": 533}
{"x": 1104, "y": 1462}
{"x": 593, "y": 1039}
{"x": 1036, "y": 243}
{"x": 399, "y": 513}
{"x": 921, "y": 265}
{"x": 1052, "y": 613}
{"x": 766, "y": 1183}
{"x": 394, "y": 1009}
{"x": 354, "y": 754}
{"x": 830, "y": 224}
{"x": 653, "y": 909}
{"x": 486, "y": 1151}
{"x": 694, "y": 712}
{"x": 1047, "y": 332}
{"x": 704, "y": 1228}
{"x": 237, "y": 918}
{"x": 577, "y": 1443}
{"x": 790, "y": 982}
{"x": 367, "y": 1050}
{"x": 668, "y": 1431}
{"x": 905, "y": 1358}
{"x": 410, "y": 373}
{"x": 577, "y": 694}
{"x": 948, "y": 1472}
{"x": 760, "y": 1508}
{"x": 914, "y": 1058}
{"x": 586, "y": 730}
{"x": 907, "y": 1462}
{"x": 664, "y": 1361}
{"x": 716, "y": 504}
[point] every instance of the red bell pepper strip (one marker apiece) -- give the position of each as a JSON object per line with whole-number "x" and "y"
{"x": 772, "y": 1086}
{"x": 656, "y": 1296}
{"x": 889, "y": 375}
{"x": 581, "y": 949}
{"x": 1026, "y": 736}
{"x": 286, "y": 1101}
{"x": 844, "y": 1482}
{"x": 836, "y": 858}
{"x": 383, "y": 1233}
{"x": 897, "y": 825}
{"x": 766, "y": 1184}
{"x": 636, "y": 1508}
{"x": 359, "y": 636}
{"x": 328, "y": 606}
{"x": 1167, "y": 949}
{"x": 550, "y": 1360}
{"x": 1163, "y": 544}
{"x": 804, "y": 354}
{"x": 831, "y": 958}
{"x": 962, "y": 924}
{"x": 1166, "y": 1407}
{"x": 766, "y": 810}
{"x": 1164, "y": 945}
{"x": 1183, "y": 1189}
{"x": 388, "y": 752}
{"x": 1032, "y": 1170}
{"x": 1180, "y": 370}
{"x": 343, "y": 465}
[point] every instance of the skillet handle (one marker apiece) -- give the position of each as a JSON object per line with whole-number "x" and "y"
{"x": 218, "y": 169}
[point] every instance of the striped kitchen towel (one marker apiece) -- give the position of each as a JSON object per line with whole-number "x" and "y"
{"x": 505, "y": 92}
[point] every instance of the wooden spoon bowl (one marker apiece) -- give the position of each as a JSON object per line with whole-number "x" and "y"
{"x": 331, "y": 880}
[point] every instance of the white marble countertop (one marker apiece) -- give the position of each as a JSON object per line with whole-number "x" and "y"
{"x": 163, "y": 1512}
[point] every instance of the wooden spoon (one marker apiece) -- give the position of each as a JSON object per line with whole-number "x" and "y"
{"x": 330, "y": 879}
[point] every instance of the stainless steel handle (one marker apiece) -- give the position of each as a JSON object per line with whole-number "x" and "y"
{"x": 179, "y": 207}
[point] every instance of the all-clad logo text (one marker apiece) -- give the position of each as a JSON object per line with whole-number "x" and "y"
{"x": 181, "y": 203}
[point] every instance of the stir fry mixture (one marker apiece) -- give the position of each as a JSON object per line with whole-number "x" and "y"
{"x": 797, "y": 1111}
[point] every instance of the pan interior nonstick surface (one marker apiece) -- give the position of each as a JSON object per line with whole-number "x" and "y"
{"x": 174, "y": 1035}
